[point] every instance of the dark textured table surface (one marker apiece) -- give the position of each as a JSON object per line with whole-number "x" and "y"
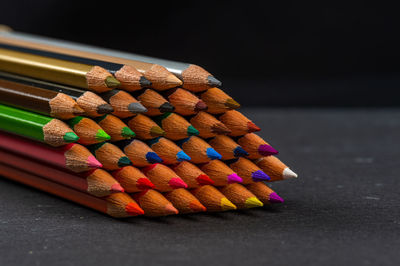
{"x": 344, "y": 208}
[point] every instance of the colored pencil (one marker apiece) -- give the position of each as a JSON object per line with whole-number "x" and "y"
{"x": 208, "y": 126}
{"x": 96, "y": 182}
{"x": 73, "y": 157}
{"x": 168, "y": 151}
{"x": 227, "y": 147}
{"x": 88, "y": 131}
{"x": 163, "y": 177}
{"x": 240, "y": 196}
{"x": 220, "y": 173}
{"x": 84, "y": 76}
{"x": 144, "y": 127}
{"x": 212, "y": 199}
{"x": 218, "y": 101}
{"x": 247, "y": 170}
{"x": 154, "y": 102}
{"x": 184, "y": 201}
{"x": 138, "y": 152}
{"x": 37, "y": 100}
{"x": 117, "y": 205}
{"x": 276, "y": 169}
{"x": 130, "y": 78}
{"x": 154, "y": 203}
{"x": 110, "y": 156}
{"x": 237, "y": 123}
{"x": 158, "y": 75}
{"x": 185, "y": 102}
{"x": 35, "y": 126}
{"x": 114, "y": 127}
{"x": 90, "y": 102}
{"x": 198, "y": 150}
{"x": 175, "y": 126}
{"x": 123, "y": 103}
{"x": 192, "y": 175}
{"x": 256, "y": 146}
{"x": 265, "y": 194}
{"x": 132, "y": 179}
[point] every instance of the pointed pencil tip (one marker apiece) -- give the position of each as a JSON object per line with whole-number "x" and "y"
{"x": 166, "y": 107}
{"x": 266, "y": 150}
{"x": 191, "y": 131}
{"x": 173, "y": 81}
{"x": 226, "y": 205}
{"x": 213, "y": 82}
{"x": 101, "y": 135}
{"x": 213, "y": 154}
{"x": 240, "y": 152}
{"x": 152, "y": 157}
{"x": 252, "y": 127}
{"x": 112, "y": 82}
{"x": 127, "y": 133}
{"x": 133, "y": 209}
{"x": 196, "y": 206}
{"x": 116, "y": 188}
{"x": 92, "y": 162}
{"x": 144, "y": 183}
{"x": 200, "y": 106}
{"x": 260, "y": 176}
{"x": 124, "y": 161}
{"x": 177, "y": 183}
{"x": 144, "y": 82}
{"x": 170, "y": 209}
{"x": 182, "y": 156}
{"x": 253, "y": 202}
{"x": 70, "y": 137}
{"x": 288, "y": 174}
{"x": 204, "y": 180}
{"x": 157, "y": 131}
{"x": 105, "y": 109}
{"x": 137, "y": 108}
{"x": 274, "y": 198}
{"x": 234, "y": 178}
{"x": 231, "y": 103}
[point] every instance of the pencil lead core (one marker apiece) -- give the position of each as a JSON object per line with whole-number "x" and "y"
{"x": 213, "y": 82}
{"x": 166, "y": 107}
{"x": 112, "y": 82}
{"x": 144, "y": 82}
{"x": 105, "y": 109}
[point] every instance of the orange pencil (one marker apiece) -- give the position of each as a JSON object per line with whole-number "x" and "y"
{"x": 247, "y": 170}
{"x": 264, "y": 193}
{"x": 212, "y": 199}
{"x": 185, "y": 102}
{"x": 145, "y": 128}
{"x": 154, "y": 203}
{"x": 138, "y": 152}
{"x": 115, "y": 128}
{"x": 227, "y": 147}
{"x": 132, "y": 179}
{"x": 184, "y": 201}
{"x": 220, "y": 173}
{"x": 163, "y": 177}
{"x": 276, "y": 169}
{"x": 192, "y": 175}
{"x": 238, "y": 123}
{"x": 256, "y": 146}
{"x": 154, "y": 102}
{"x": 123, "y": 103}
{"x": 240, "y": 196}
{"x": 109, "y": 155}
{"x": 198, "y": 150}
{"x": 218, "y": 102}
{"x": 168, "y": 151}
{"x": 176, "y": 127}
{"x": 208, "y": 126}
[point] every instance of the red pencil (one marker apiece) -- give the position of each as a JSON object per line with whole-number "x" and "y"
{"x": 163, "y": 177}
{"x": 132, "y": 179}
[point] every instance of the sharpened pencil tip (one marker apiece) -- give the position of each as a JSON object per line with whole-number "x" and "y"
{"x": 112, "y": 82}
{"x": 153, "y": 157}
{"x": 177, "y": 183}
{"x": 226, "y": 205}
{"x": 144, "y": 183}
{"x": 200, "y": 106}
{"x": 220, "y": 128}
{"x": 234, "y": 178}
{"x": 144, "y": 82}
{"x": 213, "y": 82}
{"x": 288, "y": 174}
{"x": 101, "y": 135}
{"x": 231, "y": 103}
{"x": 92, "y": 162}
{"x": 204, "y": 180}
{"x": 105, "y": 109}
{"x": 70, "y": 137}
{"x": 253, "y": 202}
{"x": 252, "y": 127}
{"x": 191, "y": 131}
{"x": 170, "y": 209}
{"x": 157, "y": 131}
{"x": 266, "y": 150}
{"x": 133, "y": 209}
{"x": 240, "y": 152}
{"x": 76, "y": 110}
{"x": 166, "y": 107}
{"x": 136, "y": 108}
{"x": 274, "y": 198}
{"x": 127, "y": 133}
{"x": 182, "y": 156}
{"x": 213, "y": 154}
{"x": 116, "y": 188}
{"x": 260, "y": 176}
{"x": 124, "y": 161}
{"x": 173, "y": 81}
{"x": 196, "y": 206}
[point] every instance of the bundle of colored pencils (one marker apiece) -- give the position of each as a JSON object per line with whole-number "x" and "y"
{"x": 125, "y": 134}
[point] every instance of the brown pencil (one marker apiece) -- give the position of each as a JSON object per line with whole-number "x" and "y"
{"x": 123, "y": 103}
{"x": 227, "y": 147}
{"x": 192, "y": 175}
{"x": 238, "y": 123}
{"x": 138, "y": 152}
{"x": 175, "y": 126}
{"x": 208, "y": 126}
{"x": 144, "y": 127}
{"x": 265, "y": 194}
{"x": 184, "y": 201}
{"x": 240, "y": 196}
{"x": 198, "y": 150}
{"x": 51, "y": 103}
{"x": 88, "y": 131}
{"x": 168, "y": 151}
{"x": 256, "y": 146}
{"x": 154, "y": 102}
{"x": 115, "y": 128}
{"x": 132, "y": 179}
{"x": 154, "y": 203}
{"x": 163, "y": 177}
{"x": 276, "y": 169}
{"x": 118, "y": 205}
{"x": 110, "y": 156}
{"x": 212, "y": 199}
{"x": 220, "y": 173}
{"x": 247, "y": 170}
{"x": 218, "y": 101}
{"x": 185, "y": 102}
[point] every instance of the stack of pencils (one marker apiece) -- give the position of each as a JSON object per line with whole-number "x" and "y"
{"x": 126, "y": 134}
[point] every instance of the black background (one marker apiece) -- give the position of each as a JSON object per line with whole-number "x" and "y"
{"x": 265, "y": 52}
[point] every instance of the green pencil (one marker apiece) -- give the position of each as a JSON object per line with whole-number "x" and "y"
{"x": 35, "y": 126}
